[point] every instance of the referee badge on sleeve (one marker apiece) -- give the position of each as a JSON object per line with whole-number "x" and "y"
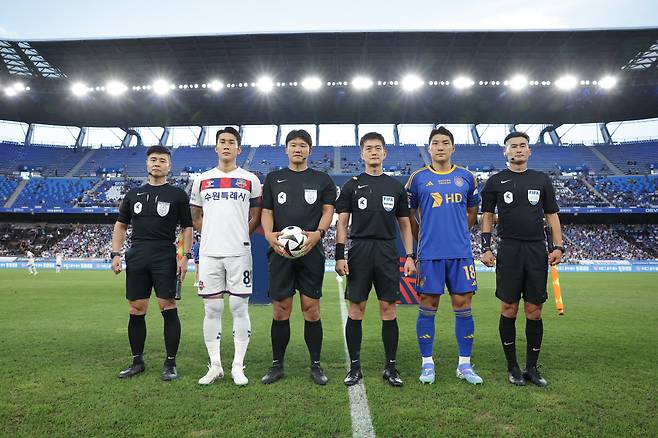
{"x": 388, "y": 202}
{"x": 533, "y": 196}
{"x": 163, "y": 208}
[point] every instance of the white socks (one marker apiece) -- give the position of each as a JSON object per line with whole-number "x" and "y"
{"x": 241, "y": 327}
{"x": 212, "y": 327}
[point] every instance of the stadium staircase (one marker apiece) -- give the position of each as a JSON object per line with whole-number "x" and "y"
{"x": 19, "y": 188}
{"x": 337, "y": 169}
{"x": 250, "y": 157}
{"x": 426, "y": 156}
{"x": 596, "y": 192}
{"x": 74, "y": 170}
{"x": 614, "y": 169}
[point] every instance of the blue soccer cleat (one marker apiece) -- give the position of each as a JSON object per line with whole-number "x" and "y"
{"x": 427, "y": 373}
{"x": 465, "y": 371}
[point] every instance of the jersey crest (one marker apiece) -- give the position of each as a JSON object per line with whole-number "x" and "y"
{"x": 310, "y": 195}
{"x": 362, "y": 203}
{"x": 388, "y": 202}
{"x": 281, "y": 198}
{"x": 137, "y": 208}
{"x": 163, "y": 208}
{"x": 533, "y": 196}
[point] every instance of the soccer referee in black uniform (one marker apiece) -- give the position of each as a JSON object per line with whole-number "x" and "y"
{"x": 524, "y": 197}
{"x": 154, "y": 210}
{"x": 305, "y": 198}
{"x": 376, "y": 202}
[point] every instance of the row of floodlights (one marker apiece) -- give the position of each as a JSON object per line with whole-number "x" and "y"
{"x": 266, "y": 84}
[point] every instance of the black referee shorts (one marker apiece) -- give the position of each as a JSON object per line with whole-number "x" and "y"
{"x": 151, "y": 266}
{"x": 304, "y": 274}
{"x": 373, "y": 261}
{"x": 521, "y": 271}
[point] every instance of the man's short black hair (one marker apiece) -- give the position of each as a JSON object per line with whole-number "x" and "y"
{"x": 300, "y": 133}
{"x": 443, "y": 131}
{"x": 158, "y": 149}
{"x": 517, "y": 134}
{"x": 372, "y": 136}
{"x": 229, "y": 130}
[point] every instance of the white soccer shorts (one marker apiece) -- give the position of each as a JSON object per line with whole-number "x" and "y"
{"x": 218, "y": 275}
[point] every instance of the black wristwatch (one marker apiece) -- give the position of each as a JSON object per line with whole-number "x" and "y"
{"x": 412, "y": 255}
{"x": 188, "y": 255}
{"x": 560, "y": 248}
{"x": 115, "y": 254}
{"x": 322, "y": 232}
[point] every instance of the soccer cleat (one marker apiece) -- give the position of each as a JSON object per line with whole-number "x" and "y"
{"x": 169, "y": 372}
{"x": 532, "y": 375}
{"x": 515, "y": 376}
{"x": 392, "y": 377}
{"x": 318, "y": 376}
{"x": 353, "y": 377}
{"x": 237, "y": 372}
{"x": 465, "y": 372}
{"x": 132, "y": 370}
{"x": 196, "y": 284}
{"x": 215, "y": 372}
{"x": 275, "y": 373}
{"x": 427, "y": 373}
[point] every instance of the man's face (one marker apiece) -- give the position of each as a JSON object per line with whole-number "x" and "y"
{"x": 298, "y": 151}
{"x": 227, "y": 147}
{"x": 373, "y": 152}
{"x": 441, "y": 148}
{"x": 158, "y": 165}
{"x": 517, "y": 150}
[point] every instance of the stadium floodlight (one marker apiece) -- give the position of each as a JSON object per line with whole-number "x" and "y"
{"x": 19, "y": 87}
{"x": 265, "y": 84}
{"x": 518, "y": 82}
{"x": 362, "y": 83}
{"x": 412, "y": 83}
{"x": 215, "y": 85}
{"x": 116, "y": 88}
{"x": 161, "y": 87}
{"x": 567, "y": 82}
{"x": 312, "y": 83}
{"x": 79, "y": 89}
{"x": 10, "y": 91}
{"x": 462, "y": 82}
{"x": 608, "y": 82}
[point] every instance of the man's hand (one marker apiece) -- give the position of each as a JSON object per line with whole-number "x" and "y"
{"x": 342, "y": 268}
{"x": 409, "y": 267}
{"x": 116, "y": 264}
{"x": 555, "y": 257}
{"x": 273, "y": 240}
{"x": 312, "y": 239}
{"x": 181, "y": 269}
{"x": 488, "y": 258}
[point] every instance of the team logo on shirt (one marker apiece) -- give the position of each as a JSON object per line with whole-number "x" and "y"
{"x": 241, "y": 184}
{"x": 459, "y": 181}
{"x": 281, "y": 198}
{"x": 438, "y": 200}
{"x": 362, "y": 203}
{"x": 310, "y": 196}
{"x": 508, "y": 197}
{"x": 137, "y": 208}
{"x": 533, "y": 196}
{"x": 388, "y": 202}
{"x": 163, "y": 208}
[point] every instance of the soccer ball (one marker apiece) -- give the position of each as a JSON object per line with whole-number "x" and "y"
{"x": 292, "y": 240}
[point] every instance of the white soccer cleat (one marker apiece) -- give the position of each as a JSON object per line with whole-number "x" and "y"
{"x": 215, "y": 372}
{"x": 237, "y": 372}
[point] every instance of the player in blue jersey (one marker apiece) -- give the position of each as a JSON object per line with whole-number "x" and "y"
{"x": 444, "y": 203}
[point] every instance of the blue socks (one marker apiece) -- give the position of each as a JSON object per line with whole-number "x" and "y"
{"x": 425, "y": 330}
{"x": 464, "y": 331}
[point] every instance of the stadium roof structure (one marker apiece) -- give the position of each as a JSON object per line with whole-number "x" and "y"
{"x": 189, "y": 64}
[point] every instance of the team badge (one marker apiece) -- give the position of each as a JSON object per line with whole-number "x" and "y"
{"x": 362, "y": 203}
{"x": 459, "y": 181}
{"x": 388, "y": 202}
{"x": 533, "y": 196}
{"x": 310, "y": 196}
{"x": 438, "y": 199}
{"x": 241, "y": 184}
{"x": 163, "y": 208}
{"x": 137, "y": 208}
{"x": 281, "y": 198}
{"x": 508, "y": 197}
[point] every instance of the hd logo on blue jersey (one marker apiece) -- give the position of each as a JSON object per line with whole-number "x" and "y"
{"x": 448, "y": 198}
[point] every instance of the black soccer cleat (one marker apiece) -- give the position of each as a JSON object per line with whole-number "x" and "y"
{"x": 318, "y": 376}
{"x": 275, "y": 373}
{"x": 515, "y": 376}
{"x": 392, "y": 377}
{"x": 353, "y": 377}
{"x": 132, "y": 370}
{"x": 532, "y": 375}
{"x": 169, "y": 372}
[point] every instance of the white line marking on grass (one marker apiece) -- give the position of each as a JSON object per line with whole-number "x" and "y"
{"x": 359, "y": 410}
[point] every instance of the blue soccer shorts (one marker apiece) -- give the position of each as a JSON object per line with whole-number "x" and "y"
{"x": 458, "y": 275}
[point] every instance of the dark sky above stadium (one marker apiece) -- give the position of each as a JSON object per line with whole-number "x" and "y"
{"x": 73, "y": 19}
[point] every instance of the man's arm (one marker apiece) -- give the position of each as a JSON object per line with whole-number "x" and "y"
{"x": 486, "y": 226}
{"x": 254, "y": 219}
{"x": 118, "y": 239}
{"x": 197, "y": 217}
{"x": 407, "y": 241}
{"x": 414, "y": 224}
{"x": 313, "y": 237}
{"x": 471, "y": 216}
{"x": 341, "y": 240}
{"x": 553, "y": 221}
{"x": 267, "y": 221}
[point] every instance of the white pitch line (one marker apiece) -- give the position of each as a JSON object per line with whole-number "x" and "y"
{"x": 359, "y": 410}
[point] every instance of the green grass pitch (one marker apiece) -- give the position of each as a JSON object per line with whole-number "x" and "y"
{"x": 63, "y": 341}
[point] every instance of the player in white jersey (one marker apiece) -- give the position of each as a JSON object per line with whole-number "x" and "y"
{"x": 58, "y": 262}
{"x": 225, "y": 204}
{"x": 31, "y": 266}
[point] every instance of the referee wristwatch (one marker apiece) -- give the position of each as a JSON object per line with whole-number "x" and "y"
{"x": 560, "y": 248}
{"x": 115, "y": 254}
{"x": 188, "y": 255}
{"x": 412, "y": 256}
{"x": 322, "y": 232}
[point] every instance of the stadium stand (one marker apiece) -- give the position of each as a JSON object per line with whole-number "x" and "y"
{"x": 629, "y": 191}
{"x": 53, "y": 192}
{"x": 7, "y": 187}
{"x": 632, "y": 158}
{"x": 46, "y": 160}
